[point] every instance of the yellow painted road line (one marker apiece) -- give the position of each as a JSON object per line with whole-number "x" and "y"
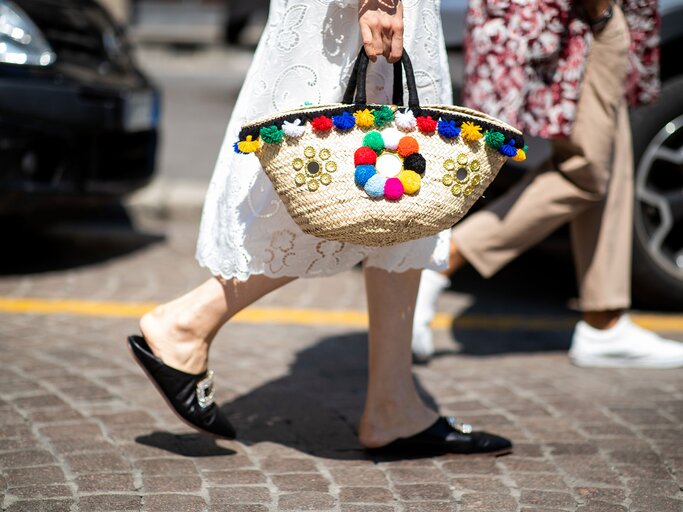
{"x": 346, "y": 318}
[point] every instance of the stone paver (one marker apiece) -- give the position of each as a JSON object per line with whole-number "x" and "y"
{"x": 81, "y": 429}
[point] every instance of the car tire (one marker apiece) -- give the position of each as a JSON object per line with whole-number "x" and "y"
{"x": 658, "y": 202}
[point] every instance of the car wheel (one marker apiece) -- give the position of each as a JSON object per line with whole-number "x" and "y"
{"x": 658, "y": 211}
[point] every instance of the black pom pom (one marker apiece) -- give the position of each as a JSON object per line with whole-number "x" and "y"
{"x": 415, "y": 162}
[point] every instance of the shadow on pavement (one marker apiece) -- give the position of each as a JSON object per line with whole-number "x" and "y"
{"x": 189, "y": 445}
{"x": 537, "y": 285}
{"x": 45, "y": 245}
{"x": 315, "y": 408}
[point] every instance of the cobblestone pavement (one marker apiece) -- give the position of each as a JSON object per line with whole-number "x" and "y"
{"x": 81, "y": 429}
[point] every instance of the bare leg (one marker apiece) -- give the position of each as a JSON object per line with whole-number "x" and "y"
{"x": 180, "y": 332}
{"x": 393, "y": 407}
{"x": 602, "y": 319}
{"x": 456, "y": 259}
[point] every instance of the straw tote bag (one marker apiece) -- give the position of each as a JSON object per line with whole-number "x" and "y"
{"x": 378, "y": 175}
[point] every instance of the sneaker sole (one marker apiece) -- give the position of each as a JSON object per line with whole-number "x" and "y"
{"x": 601, "y": 362}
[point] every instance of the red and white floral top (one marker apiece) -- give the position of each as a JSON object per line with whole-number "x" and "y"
{"x": 525, "y": 59}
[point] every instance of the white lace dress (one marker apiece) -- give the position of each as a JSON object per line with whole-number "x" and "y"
{"x": 305, "y": 55}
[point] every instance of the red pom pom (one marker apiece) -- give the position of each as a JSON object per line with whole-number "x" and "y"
{"x": 407, "y": 146}
{"x": 321, "y": 124}
{"x": 426, "y": 124}
{"x": 364, "y": 156}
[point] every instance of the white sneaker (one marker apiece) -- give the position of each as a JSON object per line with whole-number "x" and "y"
{"x": 623, "y": 346}
{"x": 431, "y": 285}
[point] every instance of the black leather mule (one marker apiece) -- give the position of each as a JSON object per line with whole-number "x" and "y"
{"x": 190, "y": 396}
{"x": 446, "y": 435}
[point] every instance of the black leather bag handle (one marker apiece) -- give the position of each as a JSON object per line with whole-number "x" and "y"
{"x": 357, "y": 81}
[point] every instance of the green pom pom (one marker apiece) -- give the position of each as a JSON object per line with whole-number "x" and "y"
{"x": 374, "y": 141}
{"x": 272, "y": 134}
{"x": 383, "y": 116}
{"x": 525, "y": 148}
{"x": 494, "y": 139}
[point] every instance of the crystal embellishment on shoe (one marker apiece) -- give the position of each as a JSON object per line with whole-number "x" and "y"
{"x": 465, "y": 428}
{"x": 205, "y": 390}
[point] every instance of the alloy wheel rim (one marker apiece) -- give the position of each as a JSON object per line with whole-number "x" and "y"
{"x": 659, "y": 199}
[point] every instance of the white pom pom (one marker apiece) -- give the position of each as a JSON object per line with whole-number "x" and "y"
{"x": 391, "y": 136}
{"x": 293, "y": 129}
{"x": 405, "y": 120}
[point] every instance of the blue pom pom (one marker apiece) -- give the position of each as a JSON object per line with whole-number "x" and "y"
{"x": 236, "y": 148}
{"x": 363, "y": 174}
{"x": 345, "y": 121}
{"x": 508, "y": 149}
{"x": 448, "y": 129}
{"x": 375, "y": 186}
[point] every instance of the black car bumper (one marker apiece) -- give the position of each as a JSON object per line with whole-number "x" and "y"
{"x": 74, "y": 139}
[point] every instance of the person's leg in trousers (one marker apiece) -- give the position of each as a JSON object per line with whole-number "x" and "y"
{"x": 602, "y": 246}
{"x": 577, "y": 181}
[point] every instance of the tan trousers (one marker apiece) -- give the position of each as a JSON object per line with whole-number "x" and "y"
{"x": 588, "y": 182}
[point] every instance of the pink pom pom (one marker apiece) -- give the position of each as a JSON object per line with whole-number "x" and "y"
{"x": 393, "y": 189}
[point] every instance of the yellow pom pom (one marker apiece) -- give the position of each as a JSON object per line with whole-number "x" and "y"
{"x": 471, "y": 131}
{"x": 411, "y": 181}
{"x": 520, "y": 156}
{"x": 364, "y": 118}
{"x": 248, "y": 146}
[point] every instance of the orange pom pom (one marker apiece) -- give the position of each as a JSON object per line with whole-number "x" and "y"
{"x": 407, "y": 146}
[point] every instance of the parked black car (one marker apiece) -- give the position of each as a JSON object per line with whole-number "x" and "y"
{"x": 78, "y": 119}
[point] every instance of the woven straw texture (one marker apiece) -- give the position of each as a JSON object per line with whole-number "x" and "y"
{"x": 457, "y": 174}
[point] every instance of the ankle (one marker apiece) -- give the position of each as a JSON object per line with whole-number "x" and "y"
{"x": 387, "y": 420}
{"x": 602, "y": 320}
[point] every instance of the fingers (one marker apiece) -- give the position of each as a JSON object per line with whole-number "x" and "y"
{"x": 396, "y": 43}
{"x": 382, "y": 34}
{"x": 372, "y": 38}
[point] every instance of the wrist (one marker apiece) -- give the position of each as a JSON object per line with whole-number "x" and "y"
{"x": 598, "y": 20}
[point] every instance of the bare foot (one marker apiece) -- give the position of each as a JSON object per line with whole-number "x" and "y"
{"x": 382, "y": 425}
{"x": 169, "y": 332}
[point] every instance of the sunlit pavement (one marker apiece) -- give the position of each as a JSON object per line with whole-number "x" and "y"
{"x": 82, "y": 429}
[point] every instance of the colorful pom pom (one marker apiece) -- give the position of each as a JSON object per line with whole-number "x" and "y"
{"x": 520, "y": 156}
{"x": 471, "y": 131}
{"x": 407, "y": 146}
{"x": 364, "y": 156}
{"x": 426, "y": 124}
{"x": 494, "y": 139}
{"x": 415, "y": 162}
{"x": 249, "y": 145}
{"x": 293, "y": 129}
{"x": 509, "y": 150}
{"x": 374, "y": 140}
{"x": 391, "y": 138}
{"x": 405, "y": 120}
{"x": 364, "y": 118}
{"x": 363, "y": 173}
{"x": 384, "y": 115}
{"x": 448, "y": 129}
{"x": 374, "y": 187}
{"x": 411, "y": 181}
{"x": 321, "y": 124}
{"x": 344, "y": 121}
{"x": 393, "y": 189}
{"x": 271, "y": 134}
